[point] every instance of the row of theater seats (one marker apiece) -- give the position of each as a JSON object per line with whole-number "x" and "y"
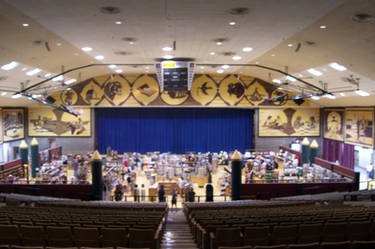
{"x": 271, "y": 226}
{"x": 48, "y": 247}
{"x": 316, "y": 245}
{"x": 80, "y": 224}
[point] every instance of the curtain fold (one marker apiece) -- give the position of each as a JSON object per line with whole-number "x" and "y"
{"x": 176, "y": 130}
{"x": 339, "y": 151}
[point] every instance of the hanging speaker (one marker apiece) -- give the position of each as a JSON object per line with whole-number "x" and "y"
{"x": 50, "y": 99}
{"x": 299, "y": 101}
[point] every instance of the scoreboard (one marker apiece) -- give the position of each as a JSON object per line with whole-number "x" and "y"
{"x": 175, "y": 75}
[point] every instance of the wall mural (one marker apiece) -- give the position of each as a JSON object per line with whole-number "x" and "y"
{"x": 143, "y": 90}
{"x": 13, "y": 124}
{"x": 288, "y": 122}
{"x": 359, "y": 128}
{"x": 52, "y": 122}
{"x": 334, "y": 124}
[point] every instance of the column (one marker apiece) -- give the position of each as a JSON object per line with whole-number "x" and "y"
{"x": 236, "y": 175}
{"x": 314, "y": 151}
{"x": 25, "y": 157}
{"x": 96, "y": 176}
{"x": 305, "y": 150}
{"x": 34, "y": 156}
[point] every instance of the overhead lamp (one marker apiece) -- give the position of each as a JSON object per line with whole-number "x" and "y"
{"x": 68, "y": 82}
{"x": 168, "y": 57}
{"x": 272, "y": 55}
{"x": 290, "y": 78}
{"x": 236, "y": 58}
{"x": 212, "y": 53}
{"x": 10, "y": 65}
{"x": 32, "y": 72}
{"x": 37, "y": 95}
{"x": 219, "y": 43}
{"x": 247, "y": 49}
{"x": 167, "y": 49}
{"x": 118, "y": 22}
{"x": 315, "y": 97}
{"x": 323, "y": 26}
{"x": 112, "y": 66}
{"x": 86, "y": 49}
{"x": 342, "y": 94}
{"x": 58, "y": 78}
{"x": 225, "y": 66}
{"x": 315, "y": 72}
{"x": 330, "y": 96}
{"x": 290, "y": 45}
{"x": 220, "y": 71}
{"x": 47, "y": 75}
{"x": 362, "y": 93}
{"x": 99, "y": 57}
{"x": 232, "y": 23}
{"x": 119, "y": 71}
{"x": 3, "y": 93}
{"x": 277, "y": 81}
{"x": 337, "y": 66}
{"x": 131, "y": 42}
{"x": 25, "y": 24}
{"x": 16, "y": 96}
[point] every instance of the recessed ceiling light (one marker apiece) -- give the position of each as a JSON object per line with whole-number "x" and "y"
{"x": 147, "y": 67}
{"x": 37, "y": 95}
{"x": 47, "y": 75}
{"x": 201, "y": 67}
{"x": 272, "y": 54}
{"x": 257, "y": 62}
{"x": 277, "y": 81}
{"x": 314, "y": 72}
{"x": 232, "y": 23}
{"x": 219, "y": 43}
{"x": 68, "y": 82}
{"x": 131, "y": 42}
{"x": 24, "y": 69}
{"x": 342, "y": 94}
{"x": 220, "y": 71}
{"x": 3, "y": 93}
{"x": 323, "y": 26}
{"x": 290, "y": 78}
{"x": 167, "y": 49}
{"x": 236, "y": 58}
{"x": 86, "y": 49}
{"x": 247, "y": 49}
{"x": 25, "y": 24}
{"x": 225, "y": 66}
{"x": 58, "y": 44}
{"x": 118, "y": 22}
{"x": 212, "y": 53}
{"x": 300, "y": 75}
{"x": 330, "y": 96}
{"x": 10, "y": 65}
{"x": 32, "y": 72}
{"x": 315, "y": 97}
{"x": 112, "y": 66}
{"x": 337, "y": 66}
{"x": 99, "y": 57}
{"x": 290, "y": 45}
{"x": 60, "y": 77}
{"x": 168, "y": 56}
{"x": 362, "y": 93}
{"x": 119, "y": 71}
{"x": 16, "y": 96}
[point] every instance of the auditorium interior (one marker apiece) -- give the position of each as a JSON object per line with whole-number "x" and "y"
{"x": 187, "y": 124}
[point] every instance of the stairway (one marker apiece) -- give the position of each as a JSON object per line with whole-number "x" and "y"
{"x": 177, "y": 233}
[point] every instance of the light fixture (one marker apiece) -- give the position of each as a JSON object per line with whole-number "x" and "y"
{"x": 37, "y": 95}
{"x": 167, "y": 49}
{"x": 99, "y": 57}
{"x": 112, "y": 66}
{"x": 225, "y": 66}
{"x": 337, "y": 66}
{"x": 86, "y": 49}
{"x": 10, "y": 65}
{"x": 362, "y": 93}
{"x": 25, "y": 24}
{"x": 131, "y": 42}
{"x": 232, "y": 23}
{"x": 290, "y": 78}
{"x": 147, "y": 67}
{"x": 68, "y": 82}
{"x": 219, "y": 43}
{"x": 24, "y": 69}
{"x": 201, "y": 67}
{"x": 342, "y": 94}
{"x": 168, "y": 57}
{"x": 3, "y": 93}
{"x": 32, "y": 72}
{"x": 119, "y": 71}
{"x": 16, "y": 96}
{"x": 58, "y": 44}
{"x": 272, "y": 55}
{"x": 323, "y": 26}
{"x": 290, "y": 45}
{"x": 47, "y": 75}
{"x": 329, "y": 96}
{"x": 247, "y": 49}
{"x": 220, "y": 71}
{"x": 315, "y": 97}
{"x": 118, "y": 22}
{"x": 277, "y": 81}
{"x": 212, "y": 53}
{"x": 315, "y": 72}
{"x": 236, "y": 58}
{"x": 58, "y": 78}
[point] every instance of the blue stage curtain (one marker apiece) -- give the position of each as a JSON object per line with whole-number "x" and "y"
{"x": 176, "y": 130}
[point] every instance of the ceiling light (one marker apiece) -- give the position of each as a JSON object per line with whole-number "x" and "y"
{"x": 131, "y": 43}
{"x": 212, "y": 53}
{"x": 247, "y": 49}
{"x": 232, "y": 23}
{"x": 257, "y": 62}
{"x": 59, "y": 44}
{"x": 167, "y": 49}
{"x": 68, "y": 82}
{"x": 10, "y": 65}
{"x": 16, "y": 96}
{"x": 342, "y": 94}
{"x": 225, "y": 66}
{"x": 290, "y": 45}
{"x": 168, "y": 57}
{"x": 32, "y": 72}
{"x": 86, "y": 49}
{"x": 3, "y": 93}
{"x": 300, "y": 75}
{"x": 37, "y": 95}
{"x": 362, "y": 93}
{"x": 323, "y": 26}
{"x": 60, "y": 77}
{"x": 272, "y": 54}
{"x": 24, "y": 69}
{"x": 118, "y": 22}
{"x": 119, "y": 71}
{"x": 25, "y": 24}
{"x": 330, "y": 96}
{"x": 290, "y": 78}
{"x": 277, "y": 81}
{"x": 47, "y": 75}
{"x": 315, "y": 97}
{"x": 236, "y": 58}
{"x": 147, "y": 67}
{"x": 99, "y": 57}
{"x": 314, "y": 72}
{"x": 337, "y": 66}
{"x": 202, "y": 67}
{"x": 220, "y": 71}
{"x": 219, "y": 43}
{"x": 112, "y": 66}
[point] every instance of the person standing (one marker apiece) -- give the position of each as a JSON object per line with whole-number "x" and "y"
{"x": 143, "y": 192}
{"x": 174, "y": 198}
{"x": 209, "y": 192}
{"x": 136, "y": 193}
{"x": 161, "y": 194}
{"x": 181, "y": 185}
{"x": 118, "y": 192}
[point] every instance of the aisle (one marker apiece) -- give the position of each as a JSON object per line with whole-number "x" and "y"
{"x": 177, "y": 232}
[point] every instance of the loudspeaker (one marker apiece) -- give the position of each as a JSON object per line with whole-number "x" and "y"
{"x": 50, "y": 99}
{"x": 299, "y": 101}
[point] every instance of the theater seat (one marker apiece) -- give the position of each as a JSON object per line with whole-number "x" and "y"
{"x": 59, "y": 236}
{"x": 84, "y": 236}
{"x": 336, "y": 245}
{"x": 304, "y": 246}
{"x": 363, "y": 244}
{"x": 272, "y": 247}
{"x": 114, "y": 236}
{"x": 32, "y": 235}
{"x": 9, "y": 235}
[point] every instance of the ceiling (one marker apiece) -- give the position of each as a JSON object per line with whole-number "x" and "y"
{"x": 282, "y": 34}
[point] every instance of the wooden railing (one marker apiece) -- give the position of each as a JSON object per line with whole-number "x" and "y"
{"x": 14, "y": 168}
{"x": 334, "y": 167}
{"x": 297, "y": 153}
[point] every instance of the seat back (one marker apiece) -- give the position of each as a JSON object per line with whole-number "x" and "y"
{"x": 284, "y": 235}
{"x": 86, "y": 236}
{"x": 139, "y": 238}
{"x": 304, "y": 246}
{"x": 228, "y": 237}
{"x": 32, "y": 235}
{"x": 59, "y": 236}
{"x": 309, "y": 233}
{"x": 336, "y": 245}
{"x": 9, "y": 235}
{"x": 359, "y": 230}
{"x": 114, "y": 237}
{"x": 334, "y": 232}
{"x": 363, "y": 244}
{"x": 256, "y": 236}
